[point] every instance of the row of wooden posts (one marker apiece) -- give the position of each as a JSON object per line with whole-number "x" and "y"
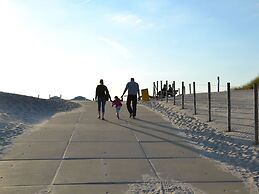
{"x": 155, "y": 94}
{"x": 50, "y": 96}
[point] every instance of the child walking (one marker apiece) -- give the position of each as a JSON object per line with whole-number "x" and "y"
{"x": 117, "y": 103}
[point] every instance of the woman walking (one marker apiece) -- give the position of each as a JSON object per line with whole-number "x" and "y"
{"x": 101, "y": 95}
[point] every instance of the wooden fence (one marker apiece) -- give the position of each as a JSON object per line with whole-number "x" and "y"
{"x": 159, "y": 94}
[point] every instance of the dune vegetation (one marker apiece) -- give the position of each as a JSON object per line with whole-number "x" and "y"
{"x": 249, "y": 85}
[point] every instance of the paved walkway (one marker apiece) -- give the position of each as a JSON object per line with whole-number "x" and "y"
{"x": 75, "y": 153}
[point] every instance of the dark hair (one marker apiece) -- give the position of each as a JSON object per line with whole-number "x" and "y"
{"x": 116, "y": 97}
{"x": 132, "y": 79}
{"x": 101, "y": 81}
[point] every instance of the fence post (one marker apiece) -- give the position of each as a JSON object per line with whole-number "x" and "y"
{"x": 174, "y": 91}
{"x": 218, "y": 83}
{"x": 190, "y": 88}
{"x": 209, "y": 100}
{"x": 154, "y": 90}
{"x": 229, "y": 107}
{"x": 161, "y": 93}
{"x": 182, "y": 95}
{"x": 256, "y": 112}
{"x": 194, "y": 98}
{"x": 157, "y": 89}
{"x": 166, "y": 93}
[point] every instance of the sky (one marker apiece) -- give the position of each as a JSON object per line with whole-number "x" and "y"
{"x": 64, "y": 47}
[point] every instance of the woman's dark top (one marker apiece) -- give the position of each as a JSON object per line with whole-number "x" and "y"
{"x": 102, "y": 91}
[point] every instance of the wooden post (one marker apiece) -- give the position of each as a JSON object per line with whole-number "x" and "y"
{"x": 166, "y": 93}
{"x": 218, "y": 83}
{"x": 161, "y": 92}
{"x": 174, "y": 91}
{"x": 49, "y": 96}
{"x": 209, "y": 100}
{"x": 157, "y": 89}
{"x": 182, "y": 95}
{"x": 154, "y": 89}
{"x": 256, "y": 112}
{"x": 60, "y": 96}
{"x": 229, "y": 107}
{"x": 194, "y": 98}
{"x": 190, "y": 88}
{"x": 38, "y": 96}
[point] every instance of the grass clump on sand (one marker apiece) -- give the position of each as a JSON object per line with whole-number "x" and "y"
{"x": 249, "y": 85}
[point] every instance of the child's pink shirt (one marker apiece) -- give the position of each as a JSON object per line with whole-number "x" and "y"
{"x": 117, "y": 103}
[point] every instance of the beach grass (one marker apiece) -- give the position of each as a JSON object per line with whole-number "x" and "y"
{"x": 249, "y": 85}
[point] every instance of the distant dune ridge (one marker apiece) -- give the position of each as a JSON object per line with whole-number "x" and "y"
{"x": 81, "y": 98}
{"x": 18, "y": 112}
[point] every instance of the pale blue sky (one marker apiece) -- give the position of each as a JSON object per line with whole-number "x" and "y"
{"x": 65, "y": 46}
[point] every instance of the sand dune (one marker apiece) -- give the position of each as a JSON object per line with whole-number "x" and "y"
{"x": 18, "y": 112}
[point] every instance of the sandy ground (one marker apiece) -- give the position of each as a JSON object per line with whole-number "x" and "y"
{"x": 18, "y": 113}
{"x": 88, "y": 155}
{"x": 236, "y": 150}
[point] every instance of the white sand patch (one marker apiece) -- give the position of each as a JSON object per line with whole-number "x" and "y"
{"x": 152, "y": 185}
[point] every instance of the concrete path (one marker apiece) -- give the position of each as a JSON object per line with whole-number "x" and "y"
{"x": 76, "y": 153}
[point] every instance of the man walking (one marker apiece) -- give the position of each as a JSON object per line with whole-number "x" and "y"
{"x": 133, "y": 90}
